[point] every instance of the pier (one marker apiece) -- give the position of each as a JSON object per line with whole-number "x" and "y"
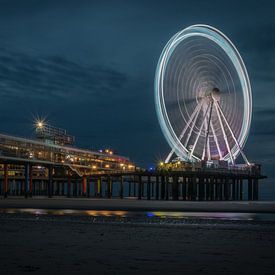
{"x": 200, "y": 185}
{"x": 51, "y": 165}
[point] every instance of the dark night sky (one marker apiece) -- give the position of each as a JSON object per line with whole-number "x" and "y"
{"x": 89, "y": 67}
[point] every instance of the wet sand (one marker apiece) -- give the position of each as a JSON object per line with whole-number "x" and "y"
{"x": 71, "y": 245}
{"x": 136, "y": 205}
{"x": 77, "y": 244}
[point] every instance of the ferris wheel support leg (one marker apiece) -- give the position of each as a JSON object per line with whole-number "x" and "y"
{"x": 195, "y": 113}
{"x": 216, "y": 140}
{"x": 204, "y": 149}
{"x": 224, "y": 134}
{"x": 231, "y": 132}
{"x": 194, "y": 122}
{"x": 198, "y": 135}
{"x": 169, "y": 156}
{"x": 206, "y": 146}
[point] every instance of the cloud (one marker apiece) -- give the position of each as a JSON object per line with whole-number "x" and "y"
{"x": 44, "y": 77}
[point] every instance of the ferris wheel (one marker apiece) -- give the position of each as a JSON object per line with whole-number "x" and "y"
{"x": 203, "y": 96}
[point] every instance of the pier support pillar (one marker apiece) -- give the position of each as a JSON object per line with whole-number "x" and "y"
{"x": 84, "y": 185}
{"x": 162, "y": 187}
{"x": 139, "y": 186}
{"x": 5, "y": 182}
{"x": 121, "y": 187}
{"x": 227, "y": 189}
{"x": 50, "y": 181}
{"x": 194, "y": 189}
{"x": 69, "y": 185}
{"x": 99, "y": 187}
{"x": 211, "y": 189}
{"x": 234, "y": 189}
{"x": 148, "y": 187}
{"x": 201, "y": 188}
{"x": 183, "y": 188}
{"x": 241, "y": 189}
{"x": 175, "y": 188}
{"x": 167, "y": 188}
{"x": 27, "y": 180}
{"x": 157, "y": 187}
{"x": 255, "y": 190}
{"x": 250, "y": 186}
{"x": 109, "y": 187}
{"x": 88, "y": 187}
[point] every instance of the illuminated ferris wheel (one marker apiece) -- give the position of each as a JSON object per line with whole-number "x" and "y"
{"x": 203, "y": 96}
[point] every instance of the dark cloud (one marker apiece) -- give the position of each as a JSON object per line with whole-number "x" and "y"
{"x": 55, "y": 77}
{"x": 89, "y": 66}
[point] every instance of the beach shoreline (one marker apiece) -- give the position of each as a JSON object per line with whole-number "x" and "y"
{"x": 138, "y": 205}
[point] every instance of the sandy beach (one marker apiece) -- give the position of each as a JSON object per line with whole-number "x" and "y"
{"x": 65, "y": 245}
{"x": 71, "y": 244}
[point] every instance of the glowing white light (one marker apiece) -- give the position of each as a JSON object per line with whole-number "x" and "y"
{"x": 226, "y": 49}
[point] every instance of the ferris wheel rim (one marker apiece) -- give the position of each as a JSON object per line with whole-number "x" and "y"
{"x": 231, "y": 51}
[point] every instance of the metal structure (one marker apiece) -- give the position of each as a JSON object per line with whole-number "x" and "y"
{"x": 203, "y": 96}
{"x": 52, "y": 135}
{"x": 83, "y": 162}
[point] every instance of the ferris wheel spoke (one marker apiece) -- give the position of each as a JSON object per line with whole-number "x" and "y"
{"x": 193, "y": 124}
{"x": 232, "y": 134}
{"x": 195, "y": 113}
{"x": 216, "y": 140}
{"x": 223, "y": 132}
{"x": 198, "y": 135}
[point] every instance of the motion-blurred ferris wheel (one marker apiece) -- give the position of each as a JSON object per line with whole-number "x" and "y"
{"x": 203, "y": 96}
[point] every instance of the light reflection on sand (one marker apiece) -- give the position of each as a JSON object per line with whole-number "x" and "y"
{"x": 149, "y": 215}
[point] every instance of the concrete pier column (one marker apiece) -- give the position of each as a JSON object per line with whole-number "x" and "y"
{"x": 129, "y": 188}
{"x": 167, "y": 188}
{"x": 175, "y": 188}
{"x": 221, "y": 189}
{"x": 237, "y": 189}
{"x": 62, "y": 188}
{"x": 157, "y": 188}
{"x": 162, "y": 187}
{"x": 121, "y": 187}
{"x": 183, "y": 188}
{"x": 226, "y": 189}
{"x": 211, "y": 189}
{"x": 250, "y": 189}
{"x": 109, "y": 187}
{"x": 88, "y": 187}
{"x": 50, "y": 181}
{"x": 5, "y": 181}
{"x": 99, "y": 186}
{"x": 31, "y": 181}
{"x": 84, "y": 186}
{"x": 27, "y": 180}
{"x": 201, "y": 188}
{"x": 139, "y": 186}
{"x": 190, "y": 188}
{"x": 148, "y": 187}
{"x": 194, "y": 188}
{"x": 241, "y": 189}
{"x": 207, "y": 189}
{"x": 69, "y": 185}
{"x": 255, "y": 190}
{"x": 234, "y": 187}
